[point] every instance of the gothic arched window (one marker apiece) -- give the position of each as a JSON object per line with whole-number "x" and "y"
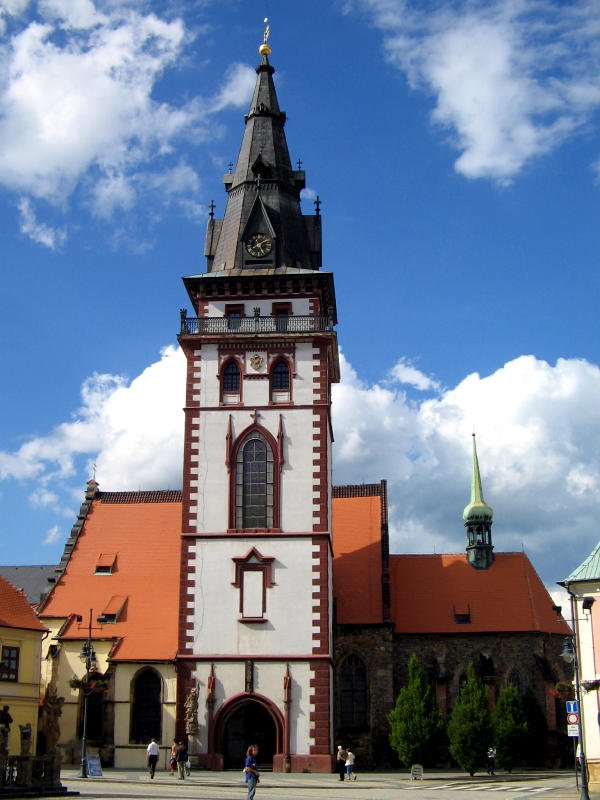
{"x": 231, "y": 378}
{"x": 353, "y": 693}
{"x": 254, "y": 483}
{"x": 146, "y": 707}
{"x": 280, "y": 381}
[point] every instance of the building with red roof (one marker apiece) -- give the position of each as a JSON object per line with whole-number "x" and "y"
{"x": 21, "y": 635}
{"x": 260, "y": 603}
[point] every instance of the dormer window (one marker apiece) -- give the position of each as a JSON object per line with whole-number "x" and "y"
{"x": 462, "y": 614}
{"x": 113, "y": 611}
{"x": 105, "y": 564}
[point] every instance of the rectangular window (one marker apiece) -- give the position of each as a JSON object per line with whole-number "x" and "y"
{"x": 9, "y": 664}
{"x": 281, "y": 312}
{"x": 253, "y": 594}
{"x": 234, "y": 314}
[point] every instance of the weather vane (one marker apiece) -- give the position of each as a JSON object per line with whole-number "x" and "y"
{"x": 265, "y": 48}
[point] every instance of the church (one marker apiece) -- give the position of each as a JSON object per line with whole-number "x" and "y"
{"x": 260, "y": 603}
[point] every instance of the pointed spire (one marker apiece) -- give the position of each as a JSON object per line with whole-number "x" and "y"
{"x": 477, "y": 507}
{"x": 264, "y": 193}
{"x": 477, "y": 517}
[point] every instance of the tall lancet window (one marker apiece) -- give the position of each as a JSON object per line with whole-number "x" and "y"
{"x": 254, "y": 483}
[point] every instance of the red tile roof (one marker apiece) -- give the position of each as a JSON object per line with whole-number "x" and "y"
{"x": 145, "y": 538}
{"x": 357, "y": 555}
{"x": 428, "y": 590}
{"x": 15, "y": 611}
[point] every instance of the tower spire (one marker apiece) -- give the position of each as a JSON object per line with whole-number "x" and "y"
{"x": 477, "y": 518}
{"x": 263, "y": 227}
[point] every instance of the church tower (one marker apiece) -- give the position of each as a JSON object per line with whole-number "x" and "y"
{"x": 477, "y": 517}
{"x": 255, "y": 650}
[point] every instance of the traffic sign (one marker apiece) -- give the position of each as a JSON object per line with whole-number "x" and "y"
{"x": 572, "y": 719}
{"x": 572, "y": 707}
{"x": 573, "y": 730}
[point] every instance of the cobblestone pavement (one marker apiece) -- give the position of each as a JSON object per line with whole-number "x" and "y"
{"x": 126, "y": 784}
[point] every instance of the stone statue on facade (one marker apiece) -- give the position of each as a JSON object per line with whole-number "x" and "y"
{"x": 191, "y": 712}
{"x": 51, "y": 711}
{"x": 25, "y": 739}
{"x": 5, "y": 723}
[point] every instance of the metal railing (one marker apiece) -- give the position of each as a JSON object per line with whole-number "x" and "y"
{"x": 256, "y": 324}
{"x": 31, "y": 772}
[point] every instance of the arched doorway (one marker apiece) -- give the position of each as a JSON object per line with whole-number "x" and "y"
{"x": 146, "y": 707}
{"x": 245, "y": 723}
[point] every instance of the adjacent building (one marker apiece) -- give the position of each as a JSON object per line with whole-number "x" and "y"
{"x": 583, "y": 586}
{"x": 21, "y": 635}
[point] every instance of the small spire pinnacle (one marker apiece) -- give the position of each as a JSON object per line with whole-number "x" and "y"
{"x": 477, "y": 507}
{"x": 265, "y": 49}
{"x": 476, "y": 490}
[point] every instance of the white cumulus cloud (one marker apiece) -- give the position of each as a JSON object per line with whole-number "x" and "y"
{"x": 78, "y": 113}
{"x": 538, "y": 437}
{"x": 510, "y": 81}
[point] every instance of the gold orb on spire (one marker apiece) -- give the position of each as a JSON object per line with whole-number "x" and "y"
{"x": 265, "y": 49}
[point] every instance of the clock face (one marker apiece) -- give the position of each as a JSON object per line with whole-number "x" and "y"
{"x": 259, "y": 245}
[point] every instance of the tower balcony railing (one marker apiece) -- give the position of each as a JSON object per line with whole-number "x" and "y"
{"x": 255, "y": 324}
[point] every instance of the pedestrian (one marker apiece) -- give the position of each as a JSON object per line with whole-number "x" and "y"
{"x": 181, "y": 757}
{"x": 340, "y": 761}
{"x": 173, "y": 757}
{"x": 251, "y": 770}
{"x": 491, "y": 760}
{"x": 350, "y": 759}
{"x": 152, "y": 753}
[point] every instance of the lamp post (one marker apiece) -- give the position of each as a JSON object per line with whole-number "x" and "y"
{"x": 569, "y": 654}
{"x": 88, "y": 656}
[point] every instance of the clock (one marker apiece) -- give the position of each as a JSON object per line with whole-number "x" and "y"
{"x": 259, "y": 245}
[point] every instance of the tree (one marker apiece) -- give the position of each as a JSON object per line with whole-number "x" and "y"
{"x": 470, "y": 726}
{"x": 417, "y": 729}
{"x": 510, "y": 727}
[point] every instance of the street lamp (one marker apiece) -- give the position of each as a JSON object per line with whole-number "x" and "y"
{"x": 88, "y": 656}
{"x": 569, "y": 654}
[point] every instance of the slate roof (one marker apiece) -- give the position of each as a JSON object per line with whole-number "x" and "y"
{"x": 15, "y": 611}
{"x": 431, "y": 593}
{"x": 33, "y": 580}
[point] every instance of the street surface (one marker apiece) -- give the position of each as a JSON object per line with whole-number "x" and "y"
{"x": 126, "y": 784}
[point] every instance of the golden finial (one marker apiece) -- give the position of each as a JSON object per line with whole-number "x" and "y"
{"x": 265, "y": 49}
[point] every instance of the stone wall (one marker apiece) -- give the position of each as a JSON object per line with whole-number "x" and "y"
{"x": 528, "y": 660}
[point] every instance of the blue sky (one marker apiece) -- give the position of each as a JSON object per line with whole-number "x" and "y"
{"x": 455, "y": 149}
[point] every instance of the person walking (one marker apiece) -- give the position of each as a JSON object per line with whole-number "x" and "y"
{"x": 491, "y": 760}
{"x": 173, "y": 757}
{"x": 152, "y": 752}
{"x": 181, "y": 756}
{"x": 340, "y": 761}
{"x": 350, "y": 759}
{"x": 251, "y": 771}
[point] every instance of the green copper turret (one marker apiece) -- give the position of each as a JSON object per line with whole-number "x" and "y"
{"x": 477, "y": 518}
